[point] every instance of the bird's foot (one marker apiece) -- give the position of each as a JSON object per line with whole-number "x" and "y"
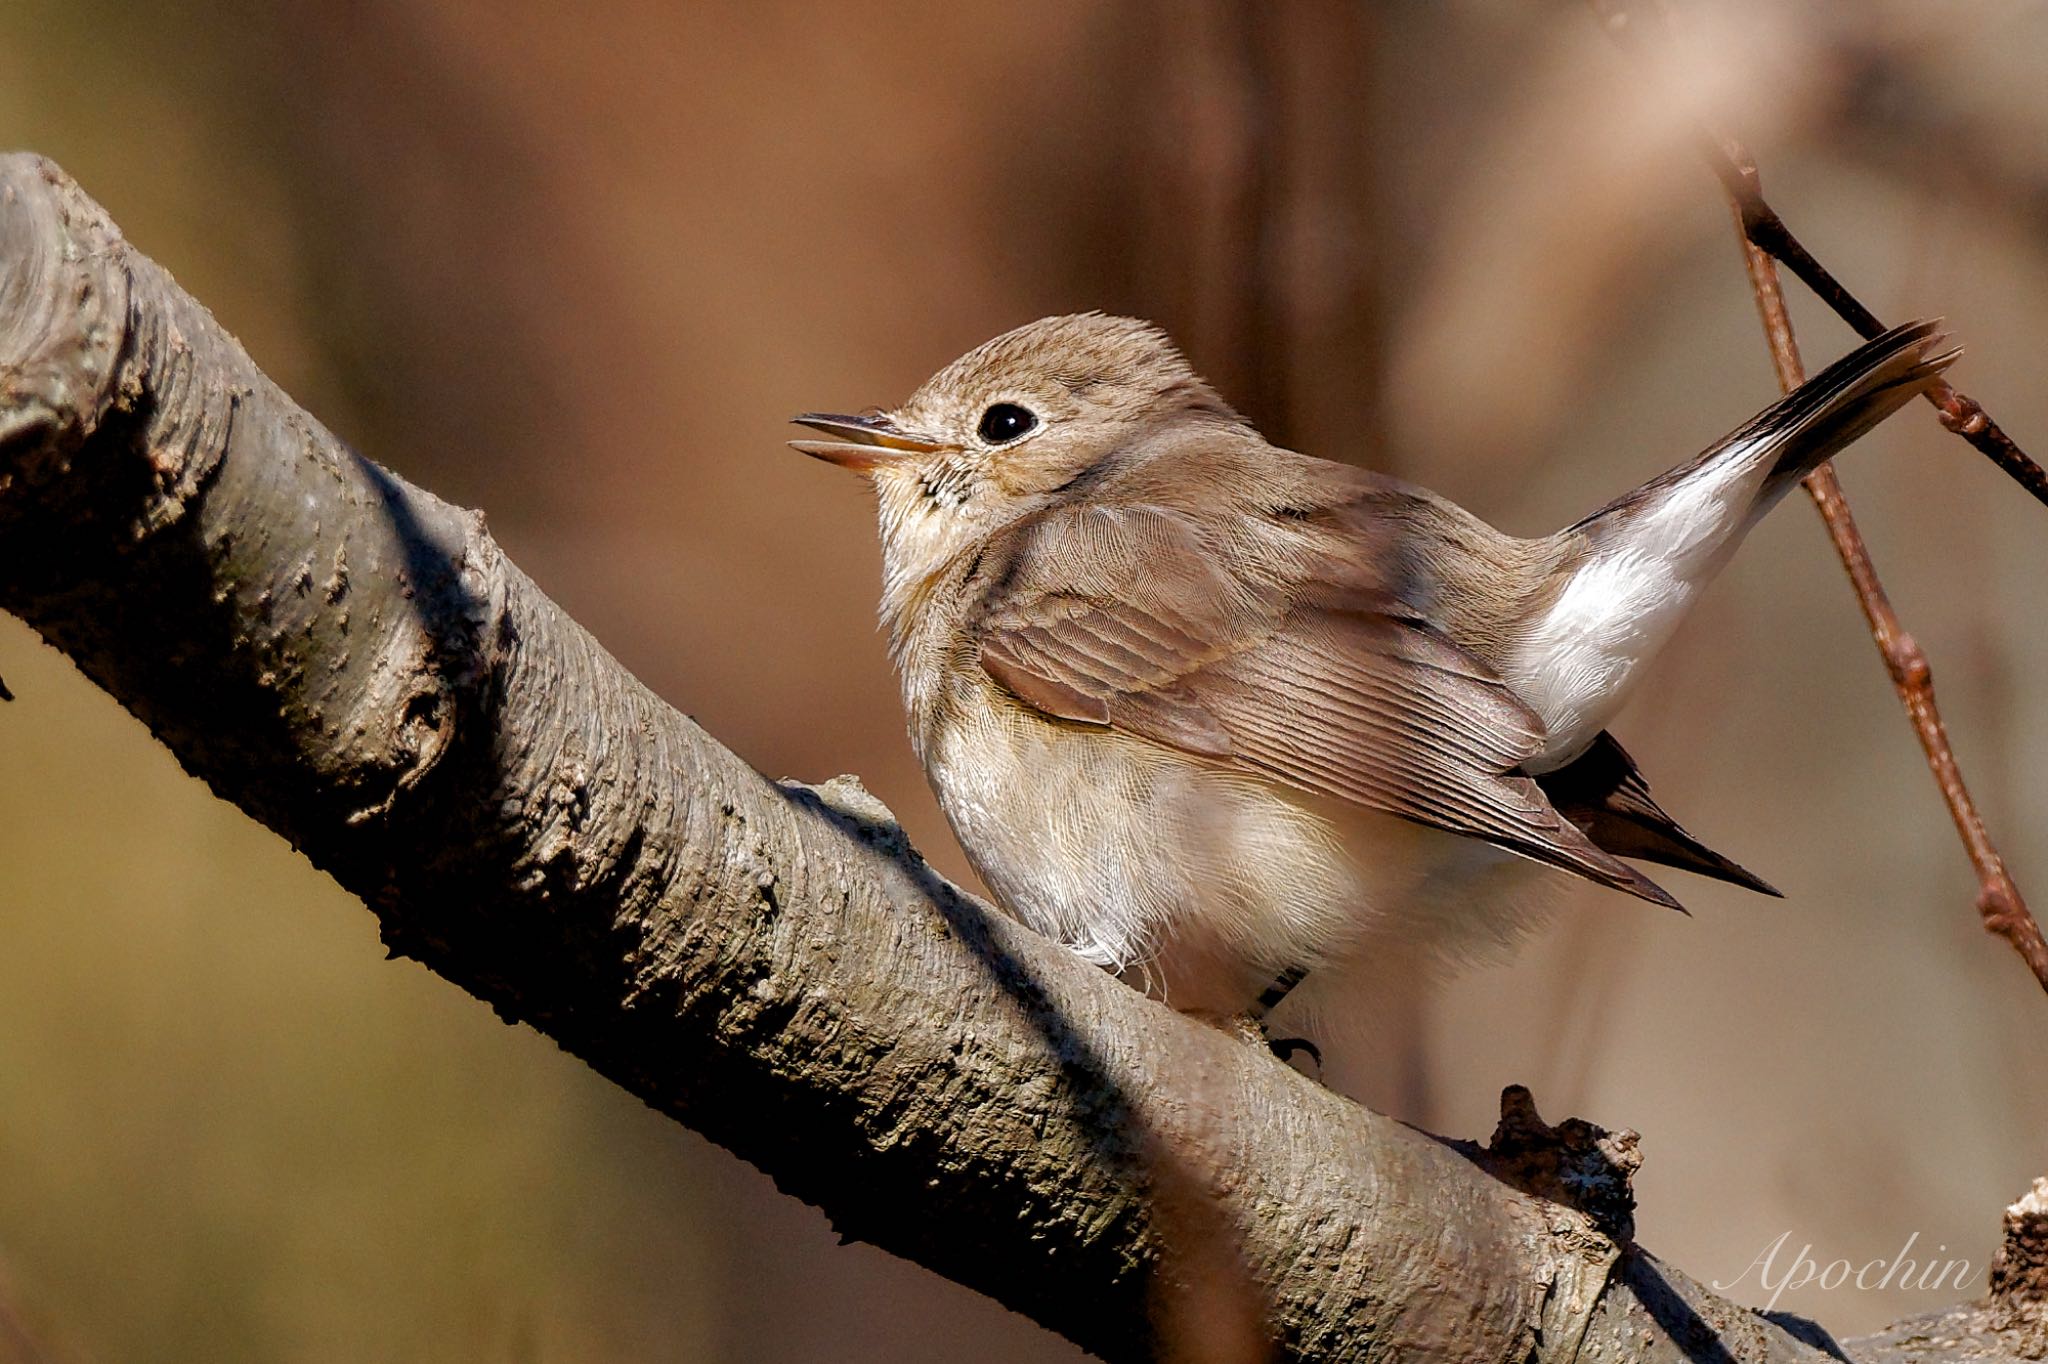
{"x": 1287, "y": 1048}
{"x": 1250, "y": 1028}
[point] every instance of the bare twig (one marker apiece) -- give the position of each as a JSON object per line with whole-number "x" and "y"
{"x": 1998, "y": 899}
{"x": 1763, "y": 229}
{"x": 1763, "y": 234}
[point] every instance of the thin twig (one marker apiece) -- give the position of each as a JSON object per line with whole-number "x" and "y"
{"x": 1999, "y": 903}
{"x": 1761, "y": 227}
{"x": 1998, "y": 899}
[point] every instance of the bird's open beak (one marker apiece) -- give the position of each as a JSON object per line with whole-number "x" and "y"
{"x": 864, "y": 442}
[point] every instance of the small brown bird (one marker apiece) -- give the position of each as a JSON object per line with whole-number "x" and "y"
{"x": 1224, "y": 717}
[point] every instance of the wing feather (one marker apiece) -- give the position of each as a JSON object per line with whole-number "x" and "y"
{"x": 1603, "y": 793}
{"x": 1360, "y": 701}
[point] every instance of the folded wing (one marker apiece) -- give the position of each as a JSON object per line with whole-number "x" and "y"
{"x": 1354, "y": 699}
{"x": 1603, "y": 793}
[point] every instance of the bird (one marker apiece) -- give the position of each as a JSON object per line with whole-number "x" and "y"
{"x": 1256, "y": 730}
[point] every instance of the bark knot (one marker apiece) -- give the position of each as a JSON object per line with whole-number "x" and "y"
{"x": 1575, "y": 1163}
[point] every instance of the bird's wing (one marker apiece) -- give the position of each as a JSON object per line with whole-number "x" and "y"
{"x": 1147, "y": 633}
{"x": 1603, "y": 793}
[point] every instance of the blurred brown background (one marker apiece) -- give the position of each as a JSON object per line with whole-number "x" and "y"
{"x": 577, "y": 265}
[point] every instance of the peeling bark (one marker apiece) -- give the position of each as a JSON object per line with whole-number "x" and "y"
{"x": 2008, "y": 1325}
{"x": 358, "y": 666}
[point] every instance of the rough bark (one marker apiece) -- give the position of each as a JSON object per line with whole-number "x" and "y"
{"x": 358, "y": 666}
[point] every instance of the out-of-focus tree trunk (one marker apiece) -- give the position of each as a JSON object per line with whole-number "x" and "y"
{"x": 1251, "y": 180}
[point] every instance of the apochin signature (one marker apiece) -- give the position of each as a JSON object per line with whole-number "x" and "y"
{"x": 1896, "y": 1271}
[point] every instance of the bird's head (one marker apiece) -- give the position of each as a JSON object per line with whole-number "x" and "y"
{"x": 1040, "y": 413}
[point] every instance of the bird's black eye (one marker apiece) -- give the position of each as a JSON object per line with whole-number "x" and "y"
{"x": 1005, "y": 422}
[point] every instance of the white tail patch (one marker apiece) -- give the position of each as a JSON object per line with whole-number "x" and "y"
{"x": 1576, "y": 662}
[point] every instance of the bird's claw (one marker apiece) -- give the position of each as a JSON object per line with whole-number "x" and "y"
{"x": 1287, "y": 1048}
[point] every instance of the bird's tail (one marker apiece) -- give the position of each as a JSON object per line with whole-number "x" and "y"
{"x": 1808, "y": 426}
{"x": 1823, "y": 415}
{"x": 1628, "y": 573}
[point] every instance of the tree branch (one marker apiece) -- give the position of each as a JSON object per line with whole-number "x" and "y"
{"x": 1764, "y": 236}
{"x": 358, "y": 666}
{"x": 1763, "y": 229}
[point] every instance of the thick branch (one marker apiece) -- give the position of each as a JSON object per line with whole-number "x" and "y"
{"x": 358, "y": 666}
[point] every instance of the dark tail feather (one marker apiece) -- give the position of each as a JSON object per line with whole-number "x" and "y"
{"x": 1813, "y": 422}
{"x": 1602, "y": 792}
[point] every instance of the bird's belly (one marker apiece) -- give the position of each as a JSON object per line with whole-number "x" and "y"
{"x": 1199, "y": 883}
